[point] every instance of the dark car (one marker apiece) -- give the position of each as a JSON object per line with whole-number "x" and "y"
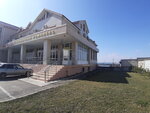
{"x": 13, "y": 70}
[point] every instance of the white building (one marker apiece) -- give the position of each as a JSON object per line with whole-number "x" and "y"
{"x": 6, "y": 30}
{"x": 144, "y": 63}
{"x": 50, "y": 39}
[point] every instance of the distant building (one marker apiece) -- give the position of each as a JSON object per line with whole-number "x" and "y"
{"x": 143, "y": 62}
{"x": 129, "y": 63}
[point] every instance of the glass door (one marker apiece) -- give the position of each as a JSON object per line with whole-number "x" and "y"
{"x": 67, "y": 54}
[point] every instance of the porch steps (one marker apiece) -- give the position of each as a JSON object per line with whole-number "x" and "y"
{"x": 53, "y": 70}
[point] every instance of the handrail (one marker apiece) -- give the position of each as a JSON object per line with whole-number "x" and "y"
{"x": 48, "y": 68}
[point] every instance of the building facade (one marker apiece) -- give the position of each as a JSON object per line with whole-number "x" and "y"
{"x": 6, "y": 30}
{"x": 50, "y": 39}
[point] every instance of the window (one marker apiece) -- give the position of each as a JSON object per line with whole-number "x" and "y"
{"x": 54, "y": 53}
{"x": 84, "y": 35}
{"x": 9, "y": 66}
{"x": 19, "y": 67}
{"x": 82, "y": 52}
{"x": 0, "y": 32}
{"x": 81, "y": 26}
{"x": 84, "y": 27}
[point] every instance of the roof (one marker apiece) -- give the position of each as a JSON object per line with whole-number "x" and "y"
{"x": 10, "y": 25}
{"x": 53, "y": 12}
{"x": 44, "y": 10}
{"x": 128, "y": 59}
{"x": 143, "y": 58}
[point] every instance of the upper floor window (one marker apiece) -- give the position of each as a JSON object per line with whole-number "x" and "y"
{"x": 0, "y": 32}
{"x": 84, "y": 27}
{"x": 81, "y": 26}
{"x": 46, "y": 15}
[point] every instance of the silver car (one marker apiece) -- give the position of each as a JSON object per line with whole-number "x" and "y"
{"x": 13, "y": 70}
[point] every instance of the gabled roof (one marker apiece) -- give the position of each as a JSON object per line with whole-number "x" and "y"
{"x": 41, "y": 14}
{"x": 45, "y": 10}
{"x": 77, "y": 22}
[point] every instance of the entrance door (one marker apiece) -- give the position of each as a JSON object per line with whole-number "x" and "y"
{"x": 39, "y": 55}
{"x": 66, "y": 56}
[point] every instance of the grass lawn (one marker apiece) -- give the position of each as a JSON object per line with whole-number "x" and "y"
{"x": 102, "y": 92}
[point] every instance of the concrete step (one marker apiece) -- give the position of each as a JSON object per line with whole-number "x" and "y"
{"x": 42, "y": 78}
{"x": 37, "y": 75}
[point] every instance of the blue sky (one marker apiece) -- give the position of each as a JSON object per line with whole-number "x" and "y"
{"x": 121, "y": 28}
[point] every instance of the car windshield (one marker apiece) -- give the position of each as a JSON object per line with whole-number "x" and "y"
{"x": 2, "y": 65}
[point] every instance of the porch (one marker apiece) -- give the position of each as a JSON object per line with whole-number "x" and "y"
{"x": 48, "y": 52}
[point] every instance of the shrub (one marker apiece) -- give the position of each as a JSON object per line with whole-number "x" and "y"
{"x": 138, "y": 70}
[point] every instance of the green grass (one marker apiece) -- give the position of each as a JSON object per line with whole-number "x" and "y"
{"x": 102, "y": 92}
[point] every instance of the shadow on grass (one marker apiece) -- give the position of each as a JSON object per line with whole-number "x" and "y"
{"x": 108, "y": 76}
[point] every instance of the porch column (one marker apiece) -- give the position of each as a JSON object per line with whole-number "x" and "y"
{"x": 46, "y": 51}
{"x": 22, "y": 53}
{"x": 75, "y": 53}
{"x": 9, "y": 58}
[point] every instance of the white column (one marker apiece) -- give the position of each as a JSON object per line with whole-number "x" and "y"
{"x": 46, "y": 51}
{"x": 75, "y": 53}
{"x": 9, "y": 58}
{"x": 22, "y": 53}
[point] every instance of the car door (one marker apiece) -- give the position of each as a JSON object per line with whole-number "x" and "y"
{"x": 10, "y": 70}
{"x": 20, "y": 70}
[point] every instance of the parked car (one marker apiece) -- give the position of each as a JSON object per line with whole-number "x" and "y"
{"x": 7, "y": 69}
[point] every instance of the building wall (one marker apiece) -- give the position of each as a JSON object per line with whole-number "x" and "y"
{"x": 145, "y": 64}
{"x": 7, "y": 31}
{"x": 73, "y": 70}
{"x": 129, "y": 63}
{"x": 52, "y": 21}
{"x": 3, "y": 55}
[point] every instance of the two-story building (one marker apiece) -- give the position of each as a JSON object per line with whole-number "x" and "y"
{"x": 51, "y": 39}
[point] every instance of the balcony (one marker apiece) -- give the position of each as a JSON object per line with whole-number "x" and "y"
{"x": 47, "y": 33}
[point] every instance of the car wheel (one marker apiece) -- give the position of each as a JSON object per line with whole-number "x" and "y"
{"x": 28, "y": 74}
{"x": 2, "y": 75}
